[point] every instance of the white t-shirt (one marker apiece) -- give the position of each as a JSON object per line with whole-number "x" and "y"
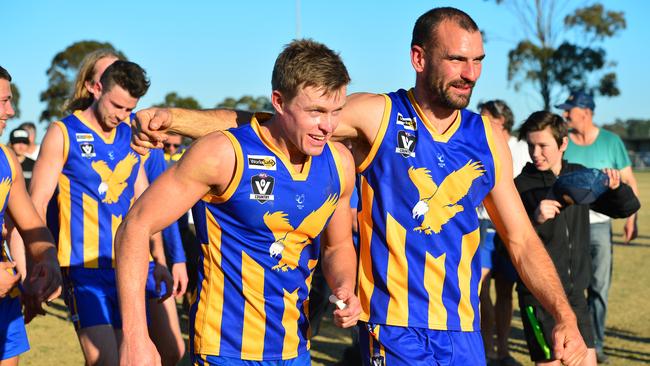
{"x": 34, "y": 155}
{"x": 520, "y": 155}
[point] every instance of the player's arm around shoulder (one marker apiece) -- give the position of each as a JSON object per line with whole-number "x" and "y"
{"x": 338, "y": 254}
{"x": 361, "y": 117}
{"x": 48, "y": 168}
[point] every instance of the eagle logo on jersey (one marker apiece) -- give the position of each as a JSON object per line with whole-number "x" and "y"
{"x": 114, "y": 181}
{"x": 438, "y": 204}
{"x": 290, "y": 242}
{"x": 5, "y": 185}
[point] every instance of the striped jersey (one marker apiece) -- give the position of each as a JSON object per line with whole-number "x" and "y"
{"x": 95, "y": 191}
{"x": 7, "y": 176}
{"x": 418, "y": 225}
{"x": 258, "y": 250}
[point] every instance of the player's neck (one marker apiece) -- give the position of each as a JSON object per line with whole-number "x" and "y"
{"x": 441, "y": 117}
{"x": 91, "y": 116}
{"x": 275, "y": 134}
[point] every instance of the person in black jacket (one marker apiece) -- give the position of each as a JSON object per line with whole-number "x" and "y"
{"x": 563, "y": 227}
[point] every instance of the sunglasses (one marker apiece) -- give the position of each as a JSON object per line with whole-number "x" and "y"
{"x": 167, "y": 144}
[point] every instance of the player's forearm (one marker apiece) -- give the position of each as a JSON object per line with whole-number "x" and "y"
{"x": 340, "y": 266}
{"x": 132, "y": 249}
{"x": 197, "y": 123}
{"x": 157, "y": 249}
{"x": 538, "y": 273}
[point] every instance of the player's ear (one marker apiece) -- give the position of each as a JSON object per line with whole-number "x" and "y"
{"x": 278, "y": 101}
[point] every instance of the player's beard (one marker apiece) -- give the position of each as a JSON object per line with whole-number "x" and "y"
{"x": 446, "y": 96}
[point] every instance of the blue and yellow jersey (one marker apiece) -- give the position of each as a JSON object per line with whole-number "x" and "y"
{"x": 418, "y": 226}
{"x": 95, "y": 191}
{"x": 7, "y": 176}
{"x": 259, "y": 252}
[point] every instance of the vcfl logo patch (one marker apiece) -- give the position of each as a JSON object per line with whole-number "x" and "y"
{"x": 406, "y": 144}
{"x": 262, "y": 187}
{"x": 87, "y": 150}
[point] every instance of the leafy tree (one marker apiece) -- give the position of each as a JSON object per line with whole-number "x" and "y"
{"x": 248, "y": 103}
{"x": 15, "y": 99}
{"x": 631, "y": 128}
{"x": 174, "y": 100}
{"x": 577, "y": 61}
{"x": 62, "y": 74}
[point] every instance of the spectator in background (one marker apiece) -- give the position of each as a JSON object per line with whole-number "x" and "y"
{"x": 19, "y": 142}
{"x": 563, "y": 226}
{"x": 173, "y": 148}
{"x": 598, "y": 148}
{"x": 495, "y": 261}
{"x": 33, "y": 148}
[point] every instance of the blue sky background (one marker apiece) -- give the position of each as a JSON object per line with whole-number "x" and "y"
{"x": 214, "y": 49}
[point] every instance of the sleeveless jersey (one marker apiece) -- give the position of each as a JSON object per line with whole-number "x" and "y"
{"x": 95, "y": 191}
{"x": 259, "y": 251}
{"x": 7, "y": 176}
{"x": 418, "y": 224}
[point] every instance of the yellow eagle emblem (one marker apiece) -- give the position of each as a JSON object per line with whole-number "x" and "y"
{"x": 438, "y": 204}
{"x": 290, "y": 242}
{"x": 114, "y": 181}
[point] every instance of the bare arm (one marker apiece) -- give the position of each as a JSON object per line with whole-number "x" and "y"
{"x": 208, "y": 164}
{"x": 630, "y": 230}
{"x": 531, "y": 259}
{"x": 338, "y": 255}
{"x": 360, "y": 121}
{"x": 43, "y": 280}
{"x": 151, "y": 124}
{"x": 47, "y": 169}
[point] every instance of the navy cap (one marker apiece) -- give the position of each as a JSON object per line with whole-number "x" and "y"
{"x": 581, "y": 187}
{"x": 578, "y": 99}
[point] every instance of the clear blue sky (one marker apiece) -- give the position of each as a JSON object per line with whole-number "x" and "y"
{"x": 211, "y": 49}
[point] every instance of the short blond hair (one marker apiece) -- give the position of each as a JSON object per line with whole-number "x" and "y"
{"x": 304, "y": 63}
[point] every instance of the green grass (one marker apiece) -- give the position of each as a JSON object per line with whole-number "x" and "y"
{"x": 53, "y": 339}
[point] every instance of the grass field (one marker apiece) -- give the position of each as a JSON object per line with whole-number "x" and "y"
{"x": 628, "y": 324}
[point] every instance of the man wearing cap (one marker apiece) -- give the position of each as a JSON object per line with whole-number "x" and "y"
{"x": 19, "y": 143}
{"x": 598, "y": 148}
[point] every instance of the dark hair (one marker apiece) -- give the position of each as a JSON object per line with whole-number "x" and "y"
{"x": 128, "y": 75}
{"x": 4, "y": 74}
{"x": 538, "y": 121}
{"x": 81, "y": 97}
{"x": 305, "y": 63}
{"x": 499, "y": 109}
{"x": 427, "y": 24}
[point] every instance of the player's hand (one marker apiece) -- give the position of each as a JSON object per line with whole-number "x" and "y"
{"x": 568, "y": 345}
{"x": 161, "y": 274}
{"x": 7, "y": 280}
{"x": 139, "y": 352}
{"x": 614, "y": 177}
{"x": 547, "y": 210}
{"x": 630, "y": 230}
{"x": 179, "y": 273}
{"x": 148, "y": 129}
{"x": 44, "y": 280}
{"x": 347, "y": 317}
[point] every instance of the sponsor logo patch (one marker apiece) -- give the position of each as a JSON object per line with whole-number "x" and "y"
{"x": 262, "y": 187}
{"x": 406, "y": 144}
{"x": 82, "y": 137}
{"x": 261, "y": 162}
{"x": 87, "y": 150}
{"x": 408, "y": 123}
